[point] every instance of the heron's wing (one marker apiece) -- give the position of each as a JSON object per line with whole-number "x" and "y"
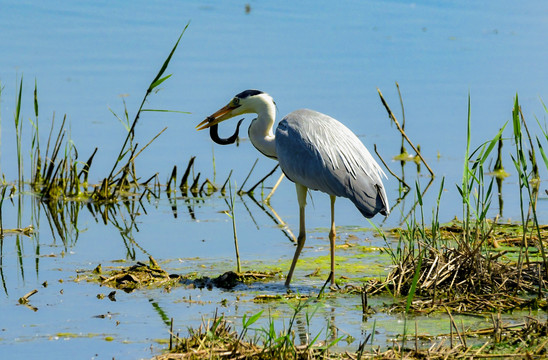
{"x": 320, "y": 153}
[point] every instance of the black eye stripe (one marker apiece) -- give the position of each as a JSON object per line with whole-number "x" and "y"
{"x": 248, "y": 93}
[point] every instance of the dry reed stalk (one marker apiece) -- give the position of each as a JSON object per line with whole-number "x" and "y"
{"x": 393, "y": 117}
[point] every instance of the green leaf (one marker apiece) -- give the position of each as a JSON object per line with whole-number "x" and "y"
{"x": 414, "y": 284}
{"x": 35, "y": 97}
{"x": 252, "y": 319}
{"x": 493, "y": 143}
{"x": 419, "y": 196}
{"x": 460, "y": 191}
{"x": 159, "y": 81}
{"x": 441, "y": 189}
{"x": 542, "y": 153}
{"x": 314, "y": 340}
{"x": 18, "y": 105}
{"x": 515, "y": 121}
{"x": 333, "y": 343}
{"x": 166, "y": 62}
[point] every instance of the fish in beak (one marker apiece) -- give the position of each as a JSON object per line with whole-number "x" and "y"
{"x": 220, "y": 115}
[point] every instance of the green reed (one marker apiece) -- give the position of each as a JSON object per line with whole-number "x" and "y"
{"x": 528, "y": 182}
{"x": 545, "y": 133}
{"x": 18, "y": 133}
{"x": 158, "y": 79}
{"x": 476, "y": 194}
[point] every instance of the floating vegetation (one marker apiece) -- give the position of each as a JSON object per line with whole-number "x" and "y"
{"x": 27, "y": 231}
{"x": 143, "y": 275}
{"x": 231, "y": 279}
{"x": 136, "y": 276}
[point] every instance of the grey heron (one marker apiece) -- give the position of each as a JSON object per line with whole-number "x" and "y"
{"x": 314, "y": 151}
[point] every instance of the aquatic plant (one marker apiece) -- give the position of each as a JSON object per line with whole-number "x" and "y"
{"x": 528, "y": 181}
{"x": 458, "y": 260}
{"x": 216, "y": 338}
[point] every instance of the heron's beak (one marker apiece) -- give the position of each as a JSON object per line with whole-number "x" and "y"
{"x": 221, "y": 115}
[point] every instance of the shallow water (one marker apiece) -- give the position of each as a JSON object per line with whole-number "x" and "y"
{"x": 331, "y": 58}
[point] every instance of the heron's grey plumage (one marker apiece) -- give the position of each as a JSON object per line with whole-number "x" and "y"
{"x": 316, "y": 152}
{"x": 319, "y": 152}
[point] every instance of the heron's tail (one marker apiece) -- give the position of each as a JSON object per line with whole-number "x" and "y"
{"x": 382, "y": 194}
{"x": 370, "y": 206}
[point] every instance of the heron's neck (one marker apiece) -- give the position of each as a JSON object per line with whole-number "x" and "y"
{"x": 260, "y": 130}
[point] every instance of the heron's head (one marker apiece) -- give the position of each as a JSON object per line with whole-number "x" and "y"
{"x": 246, "y": 102}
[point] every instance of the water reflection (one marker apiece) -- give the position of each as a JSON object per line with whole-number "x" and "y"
{"x": 63, "y": 222}
{"x": 62, "y": 217}
{"x": 271, "y": 213}
{"x": 499, "y": 193}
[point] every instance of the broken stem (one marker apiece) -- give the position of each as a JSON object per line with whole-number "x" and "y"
{"x": 393, "y": 117}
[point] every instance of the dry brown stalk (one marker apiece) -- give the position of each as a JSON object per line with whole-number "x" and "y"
{"x": 393, "y": 117}
{"x": 463, "y": 271}
{"x": 25, "y": 298}
{"x": 463, "y": 342}
{"x": 390, "y": 170}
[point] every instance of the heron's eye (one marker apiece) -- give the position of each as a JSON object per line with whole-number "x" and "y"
{"x": 235, "y": 101}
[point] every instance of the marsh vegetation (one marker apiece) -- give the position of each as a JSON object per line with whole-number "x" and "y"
{"x": 475, "y": 266}
{"x": 445, "y": 277}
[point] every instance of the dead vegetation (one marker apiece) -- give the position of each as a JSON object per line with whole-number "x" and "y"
{"x": 143, "y": 275}
{"x": 136, "y": 276}
{"x": 464, "y": 281}
{"x": 448, "y": 271}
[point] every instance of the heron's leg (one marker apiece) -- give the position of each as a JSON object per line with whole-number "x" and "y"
{"x": 301, "y": 197}
{"x": 332, "y": 235}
